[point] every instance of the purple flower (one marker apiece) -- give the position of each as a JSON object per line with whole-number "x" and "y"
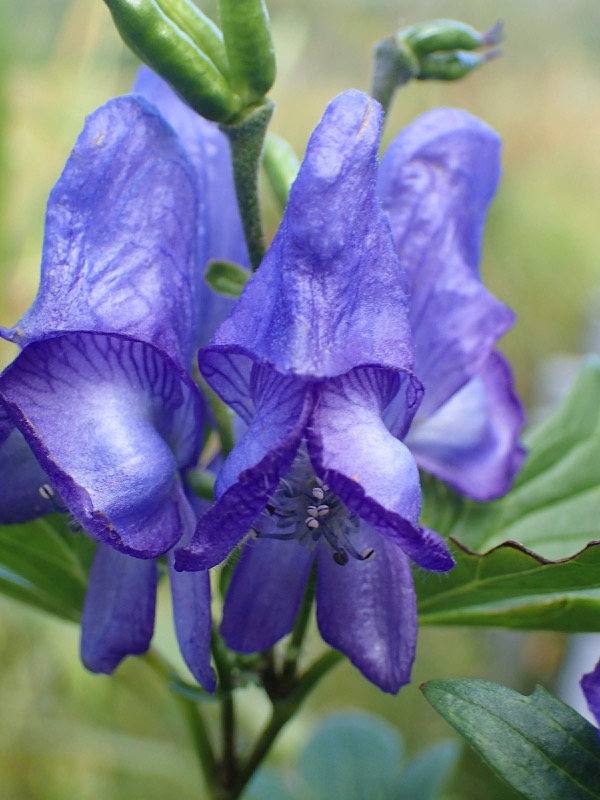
{"x": 318, "y": 360}
{"x": 99, "y": 405}
{"x": 590, "y": 683}
{"x": 436, "y": 182}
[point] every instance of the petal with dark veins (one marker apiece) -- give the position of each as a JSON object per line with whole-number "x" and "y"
{"x": 253, "y": 469}
{"x": 111, "y": 421}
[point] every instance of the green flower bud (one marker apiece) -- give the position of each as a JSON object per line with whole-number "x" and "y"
{"x": 436, "y": 50}
{"x": 452, "y": 66}
{"x": 170, "y": 52}
{"x": 200, "y": 28}
{"x": 446, "y": 35}
{"x": 250, "y": 52}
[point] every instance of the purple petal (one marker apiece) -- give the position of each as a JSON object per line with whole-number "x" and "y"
{"x": 369, "y": 469}
{"x": 21, "y": 478}
{"x": 590, "y": 683}
{"x": 220, "y": 235}
{"x": 193, "y": 621}
{"x": 367, "y": 610}
{"x": 329, "y": 295}
{"x": 265, "y": 594}
{"x": 253, "y": 469}
{"x": 230, "y": 375}
{"x": 436, "y": 182}
{"x": 120, "y": 240}
{"x": 118, "y": 614}
{"x": 111, "y": 421}
{"x": 472, "y": 441}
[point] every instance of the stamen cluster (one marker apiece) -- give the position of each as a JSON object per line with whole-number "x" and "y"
{"x": 305, "y": 509}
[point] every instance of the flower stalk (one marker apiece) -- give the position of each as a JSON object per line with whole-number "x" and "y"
{"x": 246, "y": 139}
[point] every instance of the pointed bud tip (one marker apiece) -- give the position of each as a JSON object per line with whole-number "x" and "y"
{"x": 494, "y": 36}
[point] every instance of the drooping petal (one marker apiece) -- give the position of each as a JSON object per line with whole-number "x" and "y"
{"x": 265, "y": 594}
{"x": 190, "y": 592}
{"x": 436, "y": 182}
{"x": 120, "y": 238}
{"x": 329, "y": 295}
{"x": 590, "y": 683}
{"x": 367, "y": 609}
{"x": 220, "y": 235}
{"x": 472, "y": 441}
{"x": 20, "y": 478}
{"x": 253, "y": 469}
{"x": 368, "y": 468}
{"x": 111, "y": 421}
{"x": 118, "y": 614}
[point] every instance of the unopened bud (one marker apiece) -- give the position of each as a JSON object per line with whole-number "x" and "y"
{"x": 452, "y": 66}
{"x": 250, "y": 51}
{"x": 148, "y": 29}
{"x": 446, "y": 36}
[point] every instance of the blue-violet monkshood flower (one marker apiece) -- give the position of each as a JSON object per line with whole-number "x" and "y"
{"x": 101, "y": 392}
{"x": 590, "y": 683}
{"x": 324, "y": 358}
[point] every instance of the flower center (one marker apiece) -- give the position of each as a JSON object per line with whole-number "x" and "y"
{"x": 305, "y": 509}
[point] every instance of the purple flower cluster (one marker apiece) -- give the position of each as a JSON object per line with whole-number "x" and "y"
{"x": 362, "y": 349}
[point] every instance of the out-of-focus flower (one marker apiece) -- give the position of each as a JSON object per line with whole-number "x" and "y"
{"x": 317, "y": 358}
{"x": 101, "y": 392}
{"x": 590, "y": 683}
{"x": 436, "y": 182}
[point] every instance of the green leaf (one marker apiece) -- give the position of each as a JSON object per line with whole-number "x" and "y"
{"x": 510, "y": 587}
{"x": 537, "y": 744}
{"x": 226, "y": 278}
{"x": 424, "y": 777}
{"x": 45, "y": 566}
{"x": 524, "y": 561}
{"x": 352, "y": 756}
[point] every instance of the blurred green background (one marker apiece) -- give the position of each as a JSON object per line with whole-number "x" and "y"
{"x": 67, "y": 734}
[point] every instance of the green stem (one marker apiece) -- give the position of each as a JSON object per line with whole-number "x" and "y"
{"x": 283, "y": 711}
{"x": 228, "y": 769}
{"x": 190, "y": 712}
{"x": 393, "y": 67}
{"x": 246, "y": 140}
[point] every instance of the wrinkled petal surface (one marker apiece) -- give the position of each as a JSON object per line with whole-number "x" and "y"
{"x": 472, "y": 441}
{"x": 20, "y": 478}
{"x": 367, "y": 610}
{"x": 253, "y": 469}
{"x": 265, "y": 594}
{"x": 118, "y": 614}
{"x": 220, "y": 234}
{"x": 120, "y": 238}
{"x": 368, "y": 468}
{"x": 329, "y": 294}
{"x": 111, "y": 421}
{"x": 436, "y": 182}
{"x": 590, "y": 683}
